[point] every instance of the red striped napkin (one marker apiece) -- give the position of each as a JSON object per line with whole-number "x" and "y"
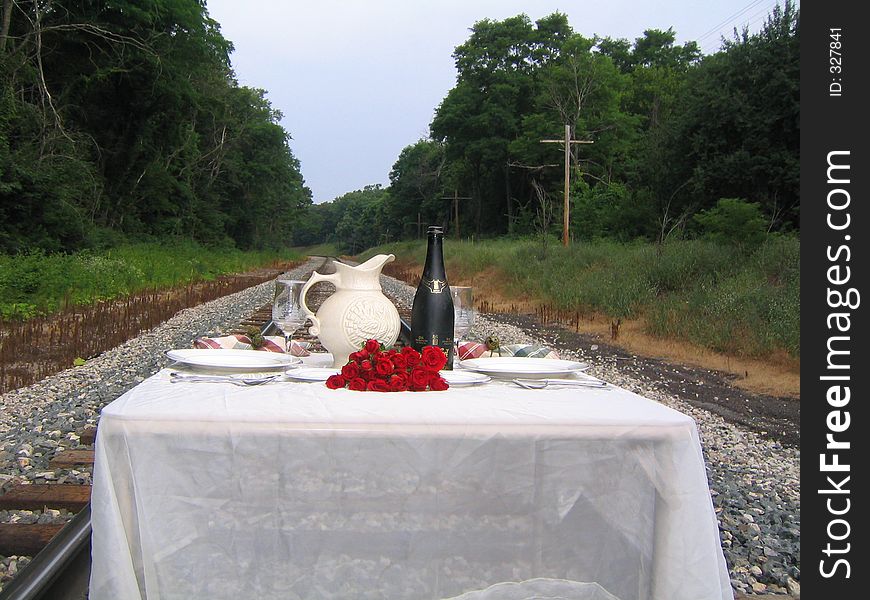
{"x": 469, "y": 350}
{"x": 243, "y": 342}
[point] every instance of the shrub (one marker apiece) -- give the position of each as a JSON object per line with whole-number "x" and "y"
{"x": 733, "y": 221}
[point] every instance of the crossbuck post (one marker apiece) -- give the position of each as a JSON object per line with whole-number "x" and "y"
{"x": 567, "y": 143}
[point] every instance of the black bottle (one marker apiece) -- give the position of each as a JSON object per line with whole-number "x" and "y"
{"x": 432, "y": 313}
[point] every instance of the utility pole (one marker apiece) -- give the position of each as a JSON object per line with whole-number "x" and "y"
{"x": 567, "y": 143}
{"x": 456, "y": 198}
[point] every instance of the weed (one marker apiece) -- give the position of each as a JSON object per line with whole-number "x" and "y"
{"x": 743, "y": 300}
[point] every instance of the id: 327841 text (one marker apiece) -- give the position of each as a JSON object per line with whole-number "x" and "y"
{"x": 835, "y": 62}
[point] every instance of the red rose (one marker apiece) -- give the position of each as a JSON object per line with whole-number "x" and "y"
{"x": 335, "y": 382}
{"x": 365, "y": 365}
{"x": 419, "y": 379}
{"x": 358, "y": 384}
{"x": 377, "y": 385}
{"x": 411, "y": 356}
{"x": 392, "y": 352}
{"x": 350, "y": 371}
{"x": 384, "y": 367}
{"x": 358, "y": 357}
{"x": 399, "y": 382}
{"x": 438, "y": 384}
{"x": 400, "y": 361}
{"x": 373, "y": 346}
{"x": 434, "y": 358}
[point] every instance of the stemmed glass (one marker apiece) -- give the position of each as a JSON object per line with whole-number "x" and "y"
{"x": 463, "y": 312}
{"x": 287, "y": 311}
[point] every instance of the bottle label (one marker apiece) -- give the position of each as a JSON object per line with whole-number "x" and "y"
{"x": 435, "y": 286}
{"x": 434, "y": 340}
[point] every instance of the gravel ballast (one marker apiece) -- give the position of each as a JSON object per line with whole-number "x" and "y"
{"x": 754, "y": 479}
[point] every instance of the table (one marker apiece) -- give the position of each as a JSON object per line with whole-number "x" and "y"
{"x": 292, "y": 490}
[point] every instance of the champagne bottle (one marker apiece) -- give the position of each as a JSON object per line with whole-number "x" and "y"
{"x": 432, "y": 313}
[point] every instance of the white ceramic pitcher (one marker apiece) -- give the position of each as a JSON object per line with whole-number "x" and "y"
{"x": 356, "y": 312}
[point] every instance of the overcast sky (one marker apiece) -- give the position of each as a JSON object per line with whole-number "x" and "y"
{"x": 358, "y": 80}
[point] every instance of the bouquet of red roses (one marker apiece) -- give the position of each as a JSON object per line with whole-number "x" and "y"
{"x": 375, "y": 369}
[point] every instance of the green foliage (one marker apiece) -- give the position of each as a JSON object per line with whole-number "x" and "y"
{"x": 755, "y": 310}
{"x": 744, "y": 301}
{"x": 608, "y": 211}
{"x": 417, "y": 186}
{"x": 318, "y": 250}
{"x": 673, "y": 132}
{"x": 733, "y": 221}
{"x": 122, "y": 120}
{"x": 39, "y": 283}
{"x": 497, "y": 88}
{"x": 740, "y": 127}
{"x": 352, "y": 222}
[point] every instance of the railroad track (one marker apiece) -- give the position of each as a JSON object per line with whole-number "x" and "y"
{"x": 60, "y": 568}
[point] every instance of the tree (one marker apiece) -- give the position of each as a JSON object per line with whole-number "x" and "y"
{"x": 673, "y": 132}
{"x": 125, "y": 116}
{"x": 361, "y": 222}
{"x": 654, "y": 168}
{"x": 741, "y": 126}
{"x": 416, "y": 186}
{"x": 496, "y": 87}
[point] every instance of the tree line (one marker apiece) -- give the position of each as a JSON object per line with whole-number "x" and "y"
{"x": 122, "y": 119}
{"x": 683, "y": 144}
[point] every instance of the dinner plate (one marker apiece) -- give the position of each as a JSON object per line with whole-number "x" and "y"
{"x": 234, "y": 360}
{"x": 460, "y": 378}
{"x": 312, "y": 373}
{"x": 510, "y": 367}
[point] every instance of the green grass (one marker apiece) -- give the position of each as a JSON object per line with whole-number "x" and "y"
{"x": 38, "y": 283}
{"x": 318, "y": 250}
{"x": 743, "y": 302}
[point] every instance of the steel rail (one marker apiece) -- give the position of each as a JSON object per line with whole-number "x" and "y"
{"x": 61, "y": 570}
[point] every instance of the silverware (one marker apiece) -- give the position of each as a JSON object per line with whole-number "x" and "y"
{"x": 539, "y": 384}
{"x": 260, "y": 380}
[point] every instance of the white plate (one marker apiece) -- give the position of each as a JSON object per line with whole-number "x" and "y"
{"x": 510, "y": 367}
{"x": 460, "y": 378}
{"x": 312, "y": 373}
{"x": 235, "y": 360}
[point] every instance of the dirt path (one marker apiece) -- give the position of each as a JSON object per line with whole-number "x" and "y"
{"x": 773, "y": 417}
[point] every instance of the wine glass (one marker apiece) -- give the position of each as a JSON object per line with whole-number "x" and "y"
{"x": 463, "y": 312}
{"x": 287, "y": 311}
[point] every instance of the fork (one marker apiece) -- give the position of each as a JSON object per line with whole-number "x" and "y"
{"x": 539, "y": 384}
{"x": 175, "y": 377}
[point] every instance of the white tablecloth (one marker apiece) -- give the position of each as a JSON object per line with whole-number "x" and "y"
{"x": 292, "y": 490}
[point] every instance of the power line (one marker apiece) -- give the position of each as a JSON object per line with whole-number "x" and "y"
{"x": 751, "y": 21}
{"x": 761, "y": 16}
{"x": 728, "y": 20}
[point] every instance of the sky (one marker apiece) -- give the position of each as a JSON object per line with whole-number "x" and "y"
{"x": 358, "y": 80}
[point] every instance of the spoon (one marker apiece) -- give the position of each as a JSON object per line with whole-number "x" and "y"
{"x": 174, "y": 377}
{"x": 539, "y": 384}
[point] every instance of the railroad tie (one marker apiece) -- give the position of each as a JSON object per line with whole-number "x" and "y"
{"x": 39, "y": 496}
{"x": 18, "y": 539}
{"x": 71, "y": 458}
{"x": 27, "y": 539}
